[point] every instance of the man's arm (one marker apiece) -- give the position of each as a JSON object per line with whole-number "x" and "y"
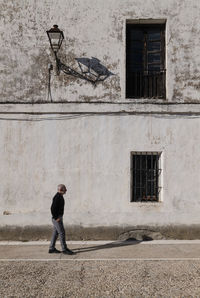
{"x": 55, "y": 208}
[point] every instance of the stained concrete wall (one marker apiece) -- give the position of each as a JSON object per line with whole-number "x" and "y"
{"x": 86, "y": 140}
{"x": 91, "y": 154}
{"x": 92, "y": 28}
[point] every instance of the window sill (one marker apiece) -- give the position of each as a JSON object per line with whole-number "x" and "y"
{"x": 146, "y": 203}
{"x": 146, "y": 100}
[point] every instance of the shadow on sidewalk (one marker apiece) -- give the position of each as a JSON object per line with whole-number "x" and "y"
{"x": 130, "y": 241}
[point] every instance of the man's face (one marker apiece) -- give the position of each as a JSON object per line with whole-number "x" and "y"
{"x": 63, "y": 191}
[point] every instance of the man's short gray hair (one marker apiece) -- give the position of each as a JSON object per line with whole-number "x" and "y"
{"x": 61, "y": 187}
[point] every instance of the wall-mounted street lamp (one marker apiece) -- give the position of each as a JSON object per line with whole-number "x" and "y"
{"x": 90, "y": 69}
{"x": 56, "y": 37}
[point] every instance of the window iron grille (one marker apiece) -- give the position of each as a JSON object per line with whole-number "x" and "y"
{"x": 145, "y": 168}
{"x": 146, "y": 85}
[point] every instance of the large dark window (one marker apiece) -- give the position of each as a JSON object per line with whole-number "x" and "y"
{"x": 145, "y": 61}
{"x": 145, "y": 173}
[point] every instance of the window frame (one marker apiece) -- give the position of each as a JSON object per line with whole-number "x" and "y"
{"x": 160, "y": 157}
{"x": 162, "y": 80}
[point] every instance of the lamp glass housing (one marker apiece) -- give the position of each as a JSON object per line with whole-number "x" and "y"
{"x": 56, "y": 37}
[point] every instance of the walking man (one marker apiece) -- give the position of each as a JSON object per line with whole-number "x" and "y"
{"x": 57, "y": 211}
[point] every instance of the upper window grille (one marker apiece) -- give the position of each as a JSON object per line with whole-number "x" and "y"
{"x": 145, "y": 168}
{"x": 145, "y": 61}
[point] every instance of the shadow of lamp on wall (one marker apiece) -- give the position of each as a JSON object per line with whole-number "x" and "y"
{"x": 89, "y": 69}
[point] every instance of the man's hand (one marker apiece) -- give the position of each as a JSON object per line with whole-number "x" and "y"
{"x": 58, "y": 219}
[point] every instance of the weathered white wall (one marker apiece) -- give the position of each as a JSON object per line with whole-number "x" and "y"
{"x": 92, "y": 28}
{"x": 43, "y": 144}
{"x": 91, "y": 154}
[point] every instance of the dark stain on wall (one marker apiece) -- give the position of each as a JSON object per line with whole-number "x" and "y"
{"x": 31, "y": 233}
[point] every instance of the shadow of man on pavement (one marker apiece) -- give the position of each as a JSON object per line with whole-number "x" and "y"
{"x": 114, "y": 244}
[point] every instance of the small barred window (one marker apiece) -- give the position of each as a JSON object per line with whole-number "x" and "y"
{"x": 145, "y": 173}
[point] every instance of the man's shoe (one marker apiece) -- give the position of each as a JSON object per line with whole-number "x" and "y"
{"x": 68, "y": 252}
{"x": 54, "y": 251}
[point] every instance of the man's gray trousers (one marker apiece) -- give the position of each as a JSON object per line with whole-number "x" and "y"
{"x": 58, "y": 229}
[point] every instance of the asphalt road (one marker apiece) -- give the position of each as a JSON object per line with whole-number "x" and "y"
{"x": 119, "y": 269}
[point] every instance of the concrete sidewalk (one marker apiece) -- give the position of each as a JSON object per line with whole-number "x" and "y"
{"x": 101, "y": 269}
{"x": 104, "y": 250}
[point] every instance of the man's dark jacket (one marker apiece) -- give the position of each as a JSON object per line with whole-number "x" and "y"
{"x": 57, "y": 207}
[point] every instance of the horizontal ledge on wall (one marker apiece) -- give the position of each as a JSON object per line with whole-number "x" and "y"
{"x": 100, "y": 109}
{"x": 100, "y": 102}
